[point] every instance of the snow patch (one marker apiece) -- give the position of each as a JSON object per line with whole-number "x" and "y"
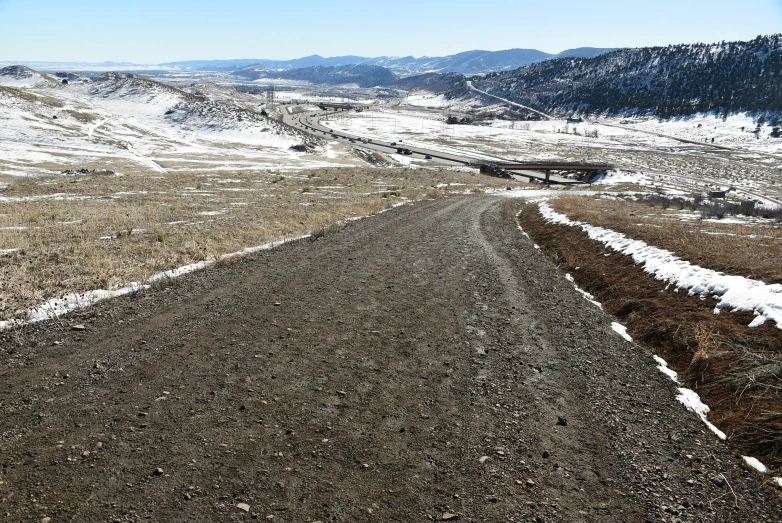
{"x": 692, "y": 401}
{"x": 589, "y": 297}
{"x": 621, "y": 330}
{"x": 689, "y": 397}
{"x": 755, "y": 464}
{"x": 662, "y": 366}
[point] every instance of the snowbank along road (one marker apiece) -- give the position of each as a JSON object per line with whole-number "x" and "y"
{"x": 424, "y": 363}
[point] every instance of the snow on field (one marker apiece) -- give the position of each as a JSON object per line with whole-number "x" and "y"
{"x": 664, "y": 163}
{"x": 491, "y": 139}
{"x": 731, "y": 292}
{"x": 22, "y": 77}
{"x": 427, "y": 99}
{"x": 733, "y": 131}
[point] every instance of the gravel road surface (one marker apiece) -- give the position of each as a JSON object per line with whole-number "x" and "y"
{"x": 424, "y": 364}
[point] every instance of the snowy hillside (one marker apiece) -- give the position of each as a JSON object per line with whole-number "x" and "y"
{"x": 21, "y": 76}
{"x": 128, "y": 123}
{"x": 725, "y": 78}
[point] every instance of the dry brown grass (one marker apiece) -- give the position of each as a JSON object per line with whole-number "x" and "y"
{"x": 30, "y": 96}
{"x": 752, "y": 251}
{"x": 150, "y": 223}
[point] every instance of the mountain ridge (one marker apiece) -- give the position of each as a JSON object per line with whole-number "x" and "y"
{"x": 476, "y": 61}
{"x": 676, "y": 80}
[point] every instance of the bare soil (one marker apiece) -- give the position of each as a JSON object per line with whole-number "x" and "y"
{"x": 413, "y": 366}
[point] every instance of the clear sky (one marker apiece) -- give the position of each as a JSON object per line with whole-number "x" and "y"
{"x": 155, "y": 31}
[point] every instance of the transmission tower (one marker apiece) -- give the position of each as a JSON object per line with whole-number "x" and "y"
{"x": 270, "y": 97}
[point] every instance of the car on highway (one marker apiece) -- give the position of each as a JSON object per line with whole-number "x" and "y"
{"x": 408, "y": 152}
{"x": 428, "y": 157}
{"x": 393, "y": 144}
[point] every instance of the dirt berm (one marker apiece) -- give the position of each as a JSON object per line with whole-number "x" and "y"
{"x": 424, "y": 364}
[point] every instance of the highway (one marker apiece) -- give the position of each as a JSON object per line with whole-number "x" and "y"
{"x": 309, "y": 122}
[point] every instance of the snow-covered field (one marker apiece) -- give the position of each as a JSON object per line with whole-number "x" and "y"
{"x": 659, "y": 162}
{"x": 133, "y": 125}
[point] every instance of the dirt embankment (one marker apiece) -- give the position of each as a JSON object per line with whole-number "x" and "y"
{"x": 733, "y": 368}
{"x": 425, "y": 364}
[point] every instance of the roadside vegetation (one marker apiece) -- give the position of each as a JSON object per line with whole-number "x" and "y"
{"x": 62, "y": 235}
{"x": 709, "y": 234}
{"x": 735, "y": 369}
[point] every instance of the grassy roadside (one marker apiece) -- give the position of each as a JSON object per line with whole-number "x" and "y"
{"x": 736, "y": 370}
{"x": 745, "y": 249}
{"x": 64, "y": 235}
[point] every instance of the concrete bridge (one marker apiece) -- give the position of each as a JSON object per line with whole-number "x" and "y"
{"x": 547, "y": 172}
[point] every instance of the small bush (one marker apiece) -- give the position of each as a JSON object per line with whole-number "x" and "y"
{"x": 326, "y": 230}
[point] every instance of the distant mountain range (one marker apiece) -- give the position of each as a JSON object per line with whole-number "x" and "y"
{"x": 468, "y": 62}
{"x": 363, "y": 75}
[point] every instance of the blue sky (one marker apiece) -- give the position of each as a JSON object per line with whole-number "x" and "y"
{"x": 147, "y": 31}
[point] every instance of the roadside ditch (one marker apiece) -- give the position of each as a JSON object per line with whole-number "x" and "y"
{"x": 735, "y": 369}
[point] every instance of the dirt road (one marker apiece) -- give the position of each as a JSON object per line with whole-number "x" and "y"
{"x": 412, "y": 366}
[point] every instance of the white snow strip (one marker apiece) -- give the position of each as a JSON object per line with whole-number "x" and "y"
{"x": 778, "y": 481}
{"x": 732, "y": 292}
{"x": 692, "y": 401}
{"x": 8, "y": 251}
{"x": 663, "y": 367}
{"x": 689, "y": 397}
{"x": 589, "y": 297}
{"x": 755, "y": 464}
{"x": 621, "y": 330}
{"x": 55, "y": 308}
